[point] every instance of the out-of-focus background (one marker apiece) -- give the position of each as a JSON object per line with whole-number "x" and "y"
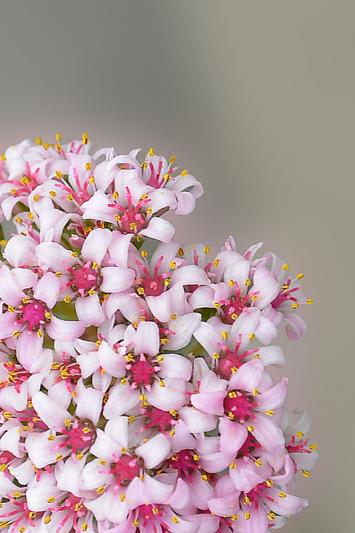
{"x": 257, "y": 100}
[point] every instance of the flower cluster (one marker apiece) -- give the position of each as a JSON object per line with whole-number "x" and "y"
{"x": 135, "y": 384}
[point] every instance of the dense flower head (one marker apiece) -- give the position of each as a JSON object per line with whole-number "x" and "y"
{"x": 136, "y": 387}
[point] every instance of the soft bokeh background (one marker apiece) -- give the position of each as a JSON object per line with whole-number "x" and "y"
{"x": 257, "y": 99}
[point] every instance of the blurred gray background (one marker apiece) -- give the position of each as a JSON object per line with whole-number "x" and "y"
{"x": 257, "y": 100}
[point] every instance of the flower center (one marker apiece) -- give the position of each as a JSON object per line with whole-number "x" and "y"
{"x": 125, "y": 469}
{"x": 249, "y": 446}
{"x": 298, "y": 445}
{"x": 232, "y": 308}
{"x": 68, "y": 371}
{"x": 131, "y": 218}
{"x": 253, "y": 497}
{"x": 80, "y": 435}
{"x": 84, "y": 278}
{"x": 156, "y": 179}
{"x": 141, "y": 372}
{"x": 16, "y": 376}
{"x": 287, "y": 294}
{"x": 186, "y": 462}
{"x": 164, "y": 420}
{"x": 239, "y": 406}
{"x": 229, "y": 361}
{"x": 153, "y": 284}
{"x": 73, "y": 509}
{"x": 33, "y": 314}
{"x": 147, "y": 513}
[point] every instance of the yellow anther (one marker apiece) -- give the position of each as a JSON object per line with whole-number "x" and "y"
{"x": 251, "y": 336}
{"x": 38, "y": 140}
{"x": 207, "y": 249}
{"x": 285, "y": 266}
{"x": 247, "y": 282}
{"x": 231, "y": 282}
{"x": 216, "y": 355}
{"x": 224, "y": 335}
{"x": 141, "y": 291}
{"x": 173, "y": 265}
{"x": 269, "y": 483}
{"x": 247, "y": 515}
{"x": 144, "y": 253}
{"x": 151, "y": 152}
{"x": 306, "y": 473}
{"x": 59, "y": 457}
{"x": 100, "y": 490}
{"x": 184, "y": 172}
{"x": 271, "y": 516}
{"x": 255, "y": 392}
{"x": 135, "y": 522}
{"x": 300, "y": 276}
{"x": 313, "y": 447}
{"x": 282, "y": 495}
{"x": 92, "y": 180}
{"x": 70, "y": 197}
{"x": 85, "y": 137}
{"x": 122, "y": 497}
{"x": 233, "y": 466}
{"x": 88, "y": 166}
{"x": 251, "y": 429}
{"x": 269, "y": 412}
{"x": 59, "y": 174}
{"x": 216, "y": 262}
{"x": 175, "y": 520}
{"x": 310, "y": 301}
{"x": 204, "y": 477}
{"x": 51, "y": 499}
{"x": 258, "y": 462}
{"x": 172, "y": 158}
{"x": 47, "y": 519}
{"x": 300, "y": 435}
{"x": 234, "y": 517}
{"x": 234, "y": 369}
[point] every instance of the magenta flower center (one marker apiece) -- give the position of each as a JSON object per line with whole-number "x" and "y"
{"x": 186, "y": 462}
{"x": 239, "y": 406}
{"x": 84, "y": 278}
{"x": 131, "y": 218}
{"x": 142, "y": 372}
{"x": 33, "y": 314}
{"x": 74, "y": 509}
{"x": 230, "y": 361}
{"x": 125, "y": 469}
{"x": 148, "y": 513}
{"x": 157, "y": 418}
{"x": 233, "y": 307}
{"x": 79, "y": 435}
{"x": 298, "y": 445}
{"x": 16, "y": 376}
{"x": 253, "y": 497}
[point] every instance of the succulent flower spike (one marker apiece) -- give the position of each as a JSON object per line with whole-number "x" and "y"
{"x": 136, "y": 387}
